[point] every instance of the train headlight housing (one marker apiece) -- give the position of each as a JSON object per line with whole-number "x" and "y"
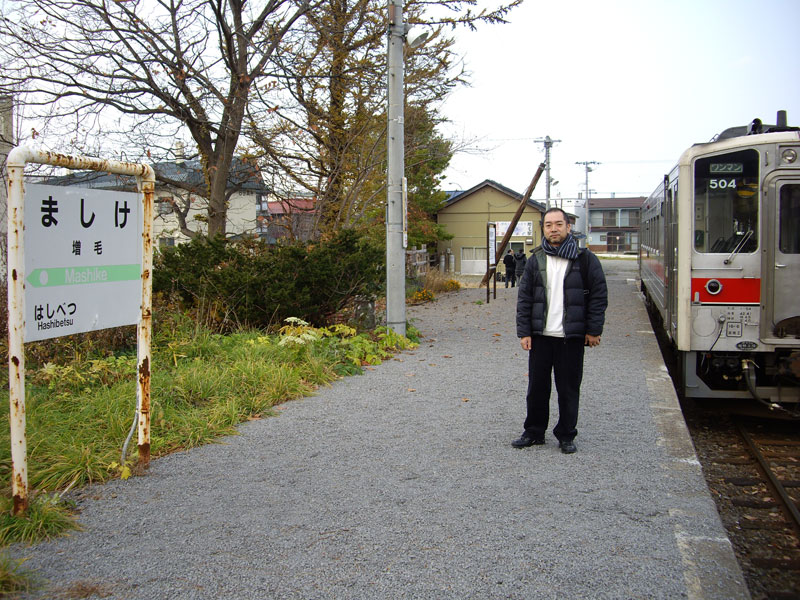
{"x": 789, "y": 155}
{"x": 713, "y": 287}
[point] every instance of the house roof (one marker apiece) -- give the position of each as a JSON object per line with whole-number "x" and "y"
{"x": 455, "y": 196}
{"x": 294, "y": 205}
{"x": 635, "y": 202}
{"x": 189, "y": 172}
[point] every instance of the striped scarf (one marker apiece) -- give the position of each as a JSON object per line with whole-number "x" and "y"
{"x": 568, "y": 248}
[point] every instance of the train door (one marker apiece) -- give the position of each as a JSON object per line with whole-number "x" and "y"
{"x": 671, "y": 255}
{"x": 783, "y": 274}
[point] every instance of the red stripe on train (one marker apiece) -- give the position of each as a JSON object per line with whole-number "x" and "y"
{"x": 731, "y": 291}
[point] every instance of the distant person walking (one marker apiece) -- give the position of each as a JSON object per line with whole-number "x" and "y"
{"x": 511, "y": 265}
{"x": 561, "y": 306}
{"x": 520, "y": 260}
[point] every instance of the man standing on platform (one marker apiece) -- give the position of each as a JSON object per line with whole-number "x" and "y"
{"x": 561, "y": 306}
{"x": 511, "y": 265}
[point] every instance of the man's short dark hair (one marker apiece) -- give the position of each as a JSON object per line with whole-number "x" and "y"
{"x": 554, "y": 209}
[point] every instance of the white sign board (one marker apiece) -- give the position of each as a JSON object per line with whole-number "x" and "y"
{"x": 492, "y": 243}
{"x": 83, "y": 260}
{"x": 523, "y": 228}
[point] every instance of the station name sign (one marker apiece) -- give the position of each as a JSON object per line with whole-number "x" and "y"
{"x": 83, "y": 260}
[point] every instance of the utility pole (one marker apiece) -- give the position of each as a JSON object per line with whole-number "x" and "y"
{"x": 396, "y": 211}
{"x": 395, "y": 149}
{"x": 548, "y": 143}
{"x": 586, "y": 164}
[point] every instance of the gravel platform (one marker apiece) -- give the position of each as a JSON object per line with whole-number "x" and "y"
{"x": 402, "y": 483}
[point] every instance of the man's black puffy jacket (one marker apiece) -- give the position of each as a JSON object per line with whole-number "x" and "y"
{"x": 584, "y": 310}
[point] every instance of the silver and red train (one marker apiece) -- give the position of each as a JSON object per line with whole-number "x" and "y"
{"x": 719, "y": 260}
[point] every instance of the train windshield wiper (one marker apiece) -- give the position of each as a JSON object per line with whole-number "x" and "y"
{"x": 739, "y": 246}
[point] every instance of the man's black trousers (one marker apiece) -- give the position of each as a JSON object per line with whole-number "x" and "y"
{"x": 510, "y": 276}
{"x": 564, "y": 358}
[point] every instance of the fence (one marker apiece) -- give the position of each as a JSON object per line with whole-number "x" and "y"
{"x": 417, "y": 261}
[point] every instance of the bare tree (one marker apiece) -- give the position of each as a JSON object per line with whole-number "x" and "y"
{"x": 325, "y": 132}
{"x": 140, "y": 73}
{"x": 6, "y": 143}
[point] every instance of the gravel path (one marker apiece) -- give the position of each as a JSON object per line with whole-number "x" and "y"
{"x": 402, "y": 483}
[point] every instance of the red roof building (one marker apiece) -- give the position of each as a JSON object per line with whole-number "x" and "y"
{"x": 292, "y": 218}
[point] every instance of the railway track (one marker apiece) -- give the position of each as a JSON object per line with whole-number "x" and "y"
{"x": 752, "y": 467}
{"x": 763, "y": 530}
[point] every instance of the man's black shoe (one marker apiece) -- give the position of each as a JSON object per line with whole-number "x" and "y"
{"x": 526, "y": 440}
{"x": 567, "y": 447}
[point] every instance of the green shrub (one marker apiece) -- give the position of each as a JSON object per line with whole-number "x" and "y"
{"x": 246, "y": 284}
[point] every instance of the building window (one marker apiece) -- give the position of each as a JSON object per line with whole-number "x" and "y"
{"x": 468, "y": 253}
{"x": 609, "y": 218}
{"x": 166, "y": 242}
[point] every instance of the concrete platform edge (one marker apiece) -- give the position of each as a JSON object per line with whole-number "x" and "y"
{"x": 711, "y": 570}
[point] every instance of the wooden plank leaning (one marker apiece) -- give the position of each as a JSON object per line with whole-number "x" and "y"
{"x": 523, "y": 203}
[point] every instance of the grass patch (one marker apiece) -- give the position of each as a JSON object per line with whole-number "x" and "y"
{"x": 425, "y": 287}
{"x": 438, "y": 282}
{"x": 48, "y": 516}
{"x": 79, "y": 409}
{"x": 13, "y": 578}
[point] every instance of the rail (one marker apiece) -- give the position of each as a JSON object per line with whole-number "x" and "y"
{"x": 788, "y": 505}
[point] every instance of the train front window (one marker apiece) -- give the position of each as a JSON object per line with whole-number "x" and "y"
{"x": 789, "y": 241}
{"x": 726, "y": 202}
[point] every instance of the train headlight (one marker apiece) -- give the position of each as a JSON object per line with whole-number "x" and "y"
{"x": 789, "y": 155}
{"x": 713, "y": 287}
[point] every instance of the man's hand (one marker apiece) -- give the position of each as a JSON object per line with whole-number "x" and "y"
{"x": 592, "y": 340}
{"x": 525, "y": 342}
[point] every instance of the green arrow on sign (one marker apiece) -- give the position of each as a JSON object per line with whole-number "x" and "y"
{"x": 55, "y": 276}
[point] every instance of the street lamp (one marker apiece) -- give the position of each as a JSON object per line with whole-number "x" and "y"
{"x": 395, "y": 151}
{"x": 589, "y": 169}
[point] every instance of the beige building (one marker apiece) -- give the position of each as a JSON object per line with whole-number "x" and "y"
{"x": 466, "y": 214}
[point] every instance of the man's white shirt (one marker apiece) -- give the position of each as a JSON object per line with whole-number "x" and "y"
{"x": 556, "y": 271}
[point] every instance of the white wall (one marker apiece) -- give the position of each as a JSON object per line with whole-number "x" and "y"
{"x": 241, "y": 217}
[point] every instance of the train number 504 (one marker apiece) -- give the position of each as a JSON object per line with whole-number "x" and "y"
{"x": 721, "y": 184}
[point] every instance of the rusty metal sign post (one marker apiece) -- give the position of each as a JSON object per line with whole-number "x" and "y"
{"x": 145, "y": 178}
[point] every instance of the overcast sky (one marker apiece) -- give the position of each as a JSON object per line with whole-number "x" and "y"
{"x": 627, "y": 83}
